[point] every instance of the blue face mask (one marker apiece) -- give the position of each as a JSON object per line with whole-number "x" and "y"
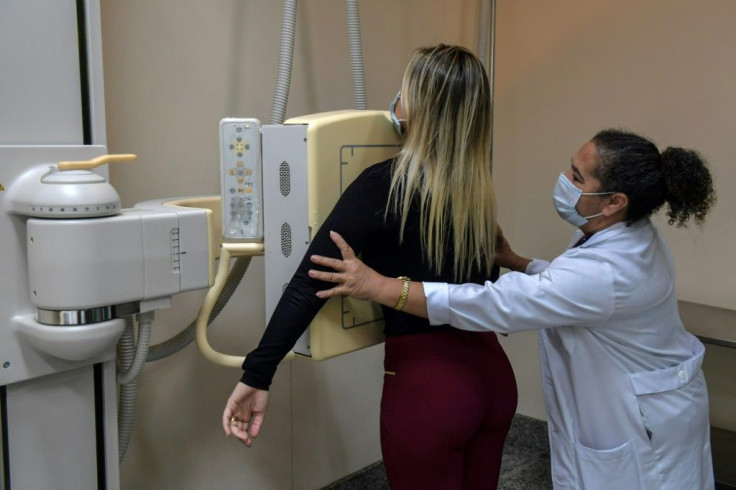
{"x": 566, "y": 197}
{"x": 395, "y": 120}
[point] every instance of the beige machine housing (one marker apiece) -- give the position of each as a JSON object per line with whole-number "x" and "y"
{"x": 307, "y": 164}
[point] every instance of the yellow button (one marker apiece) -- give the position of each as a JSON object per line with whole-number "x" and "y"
{"x": 240, "y": 163}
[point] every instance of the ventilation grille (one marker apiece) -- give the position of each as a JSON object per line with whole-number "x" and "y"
{"x": 284, "y": 179}
{"x": 286, "y": 239}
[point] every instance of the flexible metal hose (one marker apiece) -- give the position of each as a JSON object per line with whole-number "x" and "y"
{"x": 141, "y": 350}
{"x": 484, "y": 30}
{"x": 128, "y": 393}
{"x": 486, "y": 42}
{"x": 286, "y": 56}
{"x": 356, "y": 54}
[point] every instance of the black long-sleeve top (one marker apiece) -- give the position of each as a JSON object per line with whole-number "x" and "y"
{"x": 359, "y": 217}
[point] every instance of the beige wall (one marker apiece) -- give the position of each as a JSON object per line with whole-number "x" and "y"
{"x": 568, "y": 68}
{"x": 173, "y": 69}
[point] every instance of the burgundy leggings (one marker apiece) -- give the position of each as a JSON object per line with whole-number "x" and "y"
{"x": 448, "y": 401}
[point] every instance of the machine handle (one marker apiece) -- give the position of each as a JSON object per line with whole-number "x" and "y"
{"x": 227, "y": 251}
{"x": 97, "y": 161}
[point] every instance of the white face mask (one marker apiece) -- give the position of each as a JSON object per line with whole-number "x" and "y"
{"x": 395, "y": 120}
{"x": 566, "y": 197}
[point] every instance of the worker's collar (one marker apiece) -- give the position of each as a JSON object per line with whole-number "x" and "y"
{"x": 605, "y": 234}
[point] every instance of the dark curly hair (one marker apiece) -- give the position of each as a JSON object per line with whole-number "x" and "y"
{"x": 633, "y": 165}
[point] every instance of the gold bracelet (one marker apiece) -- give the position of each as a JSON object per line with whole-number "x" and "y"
{"x": 404, "y": 293}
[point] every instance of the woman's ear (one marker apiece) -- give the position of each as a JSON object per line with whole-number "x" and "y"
{"x": 618, "y": 201}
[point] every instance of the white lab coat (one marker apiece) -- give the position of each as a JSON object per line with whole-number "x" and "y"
{"x": 626, "y": 397}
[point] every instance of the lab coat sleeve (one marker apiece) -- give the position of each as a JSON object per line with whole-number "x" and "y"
{"x": 573, "y": 292}
{"x": 536, "y": 266}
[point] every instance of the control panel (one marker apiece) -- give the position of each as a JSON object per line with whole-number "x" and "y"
{"x": 240, "y": 169}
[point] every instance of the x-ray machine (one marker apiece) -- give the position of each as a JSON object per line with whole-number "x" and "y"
{"x": 75, "y": 265}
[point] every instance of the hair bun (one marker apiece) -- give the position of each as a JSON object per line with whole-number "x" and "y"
{"x": 689, "y": 183}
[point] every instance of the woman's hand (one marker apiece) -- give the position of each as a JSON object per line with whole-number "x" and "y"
{"x": 244, "y": 413}
{"x": 352, "y": 276}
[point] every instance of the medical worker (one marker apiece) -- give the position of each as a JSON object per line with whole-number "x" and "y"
{"x": 626, "y": 397}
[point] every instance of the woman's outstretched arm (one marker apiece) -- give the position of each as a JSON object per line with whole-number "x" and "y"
{"x": 353, "y": 278}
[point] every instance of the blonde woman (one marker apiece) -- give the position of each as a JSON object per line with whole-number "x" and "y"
{"x": 449, "y": 396}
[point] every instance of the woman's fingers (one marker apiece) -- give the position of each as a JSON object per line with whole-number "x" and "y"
{"x": 335, "y": 264}
{"x": 331, "y": 293}
{"x": 345, "y": 249}
{"x": 236, "y": 426}
{"x": 348, "y": 254}
{"x": 255, "y": 425}
{"x": 244, "y": 427}
{"x": 226, "y": 416}
{"x": 326, "y": 276}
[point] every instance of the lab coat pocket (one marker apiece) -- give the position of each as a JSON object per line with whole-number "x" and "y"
{"x": 615, "y": 468}
{"x": 673, "y": 403}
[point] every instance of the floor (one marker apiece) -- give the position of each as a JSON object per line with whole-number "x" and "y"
{"x": 525, "y": 464}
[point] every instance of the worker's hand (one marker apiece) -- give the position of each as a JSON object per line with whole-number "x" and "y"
{"x": 352, "y": 276}
{"x": 505, "y": 257}
{"x": 244, "y": 413}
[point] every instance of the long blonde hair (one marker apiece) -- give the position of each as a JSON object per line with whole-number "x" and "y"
{"x": 445, "y": 159}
